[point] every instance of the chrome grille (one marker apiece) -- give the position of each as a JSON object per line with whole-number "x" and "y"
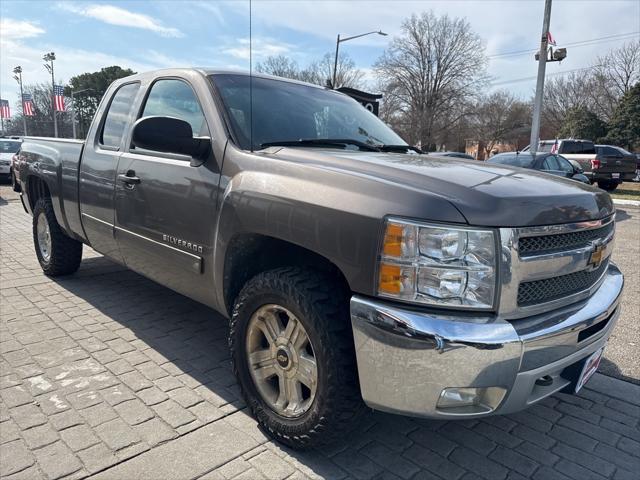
{"x": 547, "y": 267}
{"x": 541, "y": 291}
{"x": 564, "y": 241}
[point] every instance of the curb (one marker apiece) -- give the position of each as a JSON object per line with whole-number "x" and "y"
{"x": 628, "y": 203}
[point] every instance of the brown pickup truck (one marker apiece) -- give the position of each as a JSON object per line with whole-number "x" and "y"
{"x": 354, "y": 270}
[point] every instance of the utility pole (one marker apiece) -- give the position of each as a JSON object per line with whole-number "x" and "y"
{"x": 18, "y": 78}
{"x": 542, "y": 66}
{"x": 50, "y": 57}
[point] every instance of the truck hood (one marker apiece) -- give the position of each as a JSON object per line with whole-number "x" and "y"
{"x": 485, "y": 194}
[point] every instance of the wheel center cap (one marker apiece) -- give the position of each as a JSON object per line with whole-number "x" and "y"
{"x": 282, "y": 357}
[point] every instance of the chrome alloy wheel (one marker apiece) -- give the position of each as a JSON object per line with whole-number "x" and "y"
{"x": 281, "y": 360}
{"x": 44, "y": 237}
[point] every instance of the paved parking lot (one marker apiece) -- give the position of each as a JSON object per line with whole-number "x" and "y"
{"x": 107, "y": 374}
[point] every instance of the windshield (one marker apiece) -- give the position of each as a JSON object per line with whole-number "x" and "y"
{"x": 289, "y": 112}
{"x": 9, "y": 147}
{"x": 522, "y": 160}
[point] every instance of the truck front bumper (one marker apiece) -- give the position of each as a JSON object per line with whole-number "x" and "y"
{"x": 426, "y": 364}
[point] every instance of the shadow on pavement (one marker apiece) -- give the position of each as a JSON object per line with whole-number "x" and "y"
{"x": 607, "y": 367}
{"x": 193, "y": 338}
{"x": 622, "y": 215}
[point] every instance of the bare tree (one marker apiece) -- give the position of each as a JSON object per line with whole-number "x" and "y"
{"x": 40, "y": 123}
{"x": 319, "y": 72}
{"x": 613, "y": 75}
{"x": 280, "y": 66}
{"x": 436, "y": 64}
{"x": 564, "y": 94}
{"x": 501, "y": 117}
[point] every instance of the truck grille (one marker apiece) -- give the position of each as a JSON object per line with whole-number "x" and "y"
{"x": 540, "y": 291}
{"x": 565, "y": 241}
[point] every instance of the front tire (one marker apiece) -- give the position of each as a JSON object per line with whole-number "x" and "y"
{"x": 293, "y": 355}
{"x": 57, "y": 253}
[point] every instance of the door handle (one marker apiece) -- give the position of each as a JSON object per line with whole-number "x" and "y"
{"x": 129, "y": 178}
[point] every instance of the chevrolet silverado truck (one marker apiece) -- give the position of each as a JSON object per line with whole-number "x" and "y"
{"x": 354, "y": 270}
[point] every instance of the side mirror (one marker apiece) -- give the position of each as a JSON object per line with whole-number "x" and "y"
{"x": 169, "y": 135}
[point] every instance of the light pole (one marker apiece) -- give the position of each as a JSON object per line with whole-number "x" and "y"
{"x": 338, "y": 42}
{"x": 542, "y": 65}
{"x": 50, "y": 57}
{"x": 73, "y": 107}
{"x": 18, "y": 78}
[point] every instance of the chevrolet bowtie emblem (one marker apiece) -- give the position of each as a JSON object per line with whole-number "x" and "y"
{"x": 596, "y": 255}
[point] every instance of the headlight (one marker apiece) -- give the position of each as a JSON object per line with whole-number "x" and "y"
{"x": 438, "y": 265}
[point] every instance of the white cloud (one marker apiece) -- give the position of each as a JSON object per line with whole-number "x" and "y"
{"x": 262, "y": 47}
{"x": 13, "y": 29}
{"x": 125, "y": 18}
{"x": 71, "y": 61}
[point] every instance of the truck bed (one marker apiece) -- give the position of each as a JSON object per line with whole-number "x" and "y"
{"x": 57, "y": 160}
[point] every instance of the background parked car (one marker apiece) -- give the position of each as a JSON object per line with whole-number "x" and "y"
{"x": 8, "y": 147}
{"x": 606, "y": 165}
{"x": 545, "y": 162}
{"x": 453, "y": 154}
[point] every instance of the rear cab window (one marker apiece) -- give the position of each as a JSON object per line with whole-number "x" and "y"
{"x": 117, "y": 116}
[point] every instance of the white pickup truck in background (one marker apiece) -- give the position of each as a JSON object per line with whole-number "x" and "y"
{"x": 606, "y": 165}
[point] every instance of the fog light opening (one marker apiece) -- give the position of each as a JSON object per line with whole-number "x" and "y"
{"x": 470, "y": 400}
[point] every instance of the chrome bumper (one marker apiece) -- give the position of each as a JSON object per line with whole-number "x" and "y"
{"x": 406, "y": 358}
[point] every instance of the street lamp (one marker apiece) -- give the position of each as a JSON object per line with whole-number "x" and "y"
{"x": 18, "y": 77}
{"x": 50, "y": 57}
{"x": 340, "y": 40}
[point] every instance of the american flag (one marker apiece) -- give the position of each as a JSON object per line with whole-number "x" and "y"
{"x": 5, "y": 111}
{"x": 27, "y": 105}
{"x": 58, "y": 98}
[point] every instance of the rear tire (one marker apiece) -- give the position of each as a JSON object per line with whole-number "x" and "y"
{"x": 608, "y": 186}
{"x": 57, "y": 253}
{"x": 321, "y": 311}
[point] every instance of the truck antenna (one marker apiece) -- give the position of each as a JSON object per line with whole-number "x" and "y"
{"x": 250, "y": 81}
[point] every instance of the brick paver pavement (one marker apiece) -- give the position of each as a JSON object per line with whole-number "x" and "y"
{"x": 108, "y": 374}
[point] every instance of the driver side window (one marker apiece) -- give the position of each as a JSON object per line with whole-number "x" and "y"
{"x": 175, "y": 98}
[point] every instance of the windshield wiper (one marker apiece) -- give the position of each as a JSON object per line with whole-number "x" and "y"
{"x": 322, "y": 142}
{"x": 398, "y": 148}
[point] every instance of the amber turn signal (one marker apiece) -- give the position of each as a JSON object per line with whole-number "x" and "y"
{"x": 390, "y": 280}
{"x": 393, "y": 236}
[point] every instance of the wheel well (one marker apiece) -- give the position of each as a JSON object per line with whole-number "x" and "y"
{"x": 250, "y": 254}
{"x": 36, "y": 188}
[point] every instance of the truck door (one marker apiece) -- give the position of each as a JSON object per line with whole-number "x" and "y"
{"x": 98, "y": 169}
{"x": 165, "y": 206}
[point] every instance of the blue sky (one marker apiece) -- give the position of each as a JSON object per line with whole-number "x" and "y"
{"x": 144, "y": 35}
